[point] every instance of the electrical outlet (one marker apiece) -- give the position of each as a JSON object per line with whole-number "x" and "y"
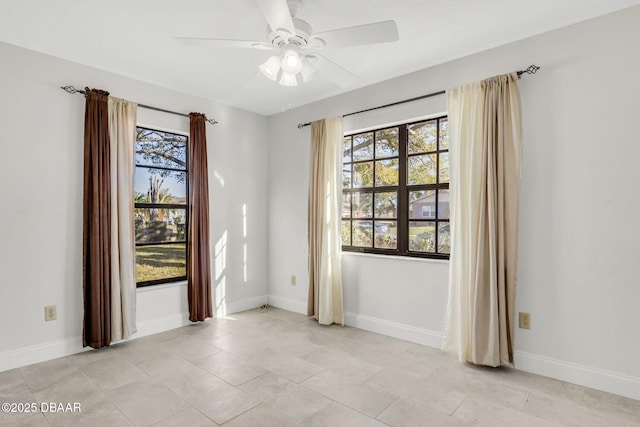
{"x": 50, "y": 313}
{"x": 524, "y": 320}
{"x": 293, "y": 280}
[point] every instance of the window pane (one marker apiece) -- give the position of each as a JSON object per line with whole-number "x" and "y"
{"x": 444, "y": 238}
{"x": 444, "y": 134}
{"x": 372, "y": 219}
{"x": 443, "y": 204}
{"x": 363, "y": 175}
{"x": 422, "y": 236}
{"x": 386, "y": 204}
{"x": 346, "y": 176}
{"x": 422, "y": 204}
{"x": 444, "y": 167}
{"x": 422, "y": 169}
{"x": 422, "y": 137}
{"x": 346, "y": 205}
{"x": 159, "y": 262}
{"x": 363, "y": 146}
{"x": 362, "y": 234}
{"x": 386, "y": 172}
{"x": 346, "y": 153}
{"x": 386, "y": 234}
{"x": 160, "y": 186}
{"x": 153, "y": 225}
{"x": 157, "y": 148}
{"x": 362, "y": 205}
{"x": 346, "y": 232}
{"x": 387, "y": 143}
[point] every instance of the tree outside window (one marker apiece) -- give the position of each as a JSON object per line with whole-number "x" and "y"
{"x": 161, "y": 201}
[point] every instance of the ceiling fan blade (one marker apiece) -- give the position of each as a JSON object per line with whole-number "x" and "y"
{"x": 378, "y": 32}
{"x": 278, "y": 15}
{"x": 334, "y": 72}
{"x": 243, "y": 44}
{"x": 257, "y": 81}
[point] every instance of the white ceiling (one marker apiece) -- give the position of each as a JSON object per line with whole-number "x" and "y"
{"x": 135, "y": 38}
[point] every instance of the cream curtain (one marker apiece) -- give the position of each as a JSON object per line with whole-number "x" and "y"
{"x": 486, "y": 145}
{"x": 325, "y": 195}
{"x": 122, "y": 132}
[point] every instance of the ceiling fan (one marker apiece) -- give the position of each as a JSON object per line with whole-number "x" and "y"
{"x": 298, "y": 58}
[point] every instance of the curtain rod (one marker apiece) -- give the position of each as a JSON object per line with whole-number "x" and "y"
{"x": 531, "y": 69}
{"x": 72, "y": 90}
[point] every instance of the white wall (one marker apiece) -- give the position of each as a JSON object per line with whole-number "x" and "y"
{"x": 579, "y": 237}
{"x": 41, "y": 148}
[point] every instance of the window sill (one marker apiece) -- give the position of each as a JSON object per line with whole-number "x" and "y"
{"x": 162, "y": 286}
{"x": 395, "y": 257}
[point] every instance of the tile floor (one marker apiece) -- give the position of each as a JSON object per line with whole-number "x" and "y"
{"x": 278, "y": 368}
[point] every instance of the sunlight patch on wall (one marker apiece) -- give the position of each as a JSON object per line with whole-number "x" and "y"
{"x": 219, "y": 177}
{"x": 220, "y": 255}
{"x": 221, "y": 294}
{"x": 219, "y": 265}
{"x": 244, "y": 246}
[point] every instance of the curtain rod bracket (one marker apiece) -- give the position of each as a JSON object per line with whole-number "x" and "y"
{"x": 70, "y": 89}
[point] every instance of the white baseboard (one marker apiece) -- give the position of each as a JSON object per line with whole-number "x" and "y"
{"x": 578, "y": 374}
{"x": 238, "y": 306}
{"x": 585, "y": 376}
{"x": 154, "y": 326}
{"x": 395, "y": 330}
{"x": 54, "y": 349}
{"x": 384, "y": 327}
{"x": 287, "y": 304}
{"x": 39, "y": 353}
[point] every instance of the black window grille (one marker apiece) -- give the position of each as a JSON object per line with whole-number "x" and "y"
{"x": 161, "y": 196}
{"x": 395, "y": 196}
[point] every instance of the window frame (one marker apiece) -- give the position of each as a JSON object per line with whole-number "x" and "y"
{"x": 185, "y": 207}
{"x": 403, "y": 188}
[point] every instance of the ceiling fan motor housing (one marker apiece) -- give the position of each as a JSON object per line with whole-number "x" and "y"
{"x": 303, "y": 33}
{"x": 300, "y": 39}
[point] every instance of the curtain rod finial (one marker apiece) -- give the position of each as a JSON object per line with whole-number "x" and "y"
{"x": 69, "y": 89}
{"x": 531, "y": 69}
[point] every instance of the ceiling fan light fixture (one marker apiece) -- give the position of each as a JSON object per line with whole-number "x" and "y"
{"x": 291, "y": 62}
{"x": 288, "y": 79}
{"x": 271, "y": 67}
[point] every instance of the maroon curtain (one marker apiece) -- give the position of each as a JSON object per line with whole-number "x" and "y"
{"x": 198, "y": 257}
{"x": 96, "y": 236}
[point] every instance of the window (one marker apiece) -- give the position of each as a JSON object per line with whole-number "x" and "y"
{"x": 161, "y": 201}
{"x": 395, "y": 197}
{"x": 428, "y": 210}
